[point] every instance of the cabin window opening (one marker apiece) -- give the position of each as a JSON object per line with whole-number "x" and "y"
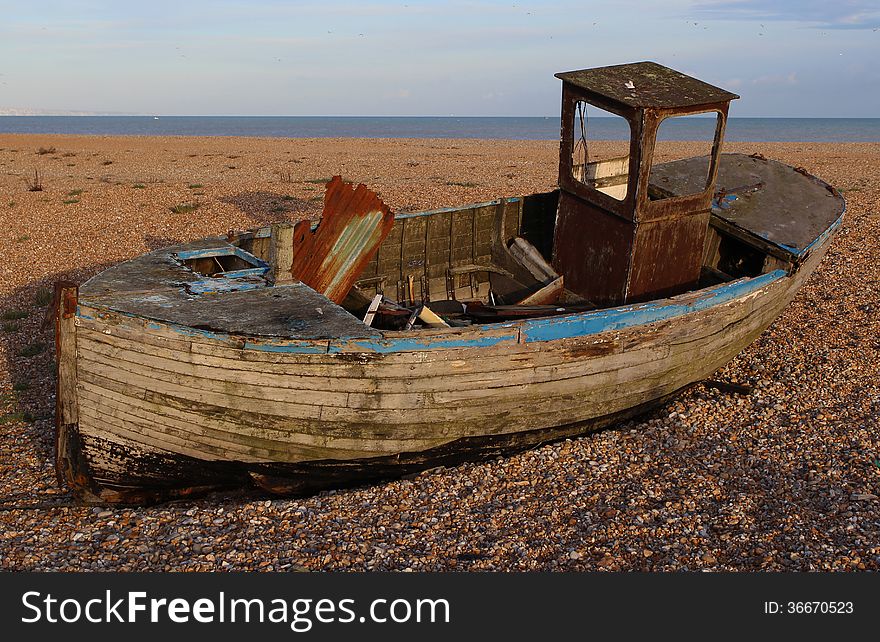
{"x": 211, "y": 265}
{"x": 600, "y": 150}
{"x": 223, "y": 262}
{"x": 691, "y": 138}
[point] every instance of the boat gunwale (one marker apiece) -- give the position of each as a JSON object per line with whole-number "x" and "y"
{"x": 567, "y": 326}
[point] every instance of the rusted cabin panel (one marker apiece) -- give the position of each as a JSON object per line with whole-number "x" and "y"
{"x": 330, "y": 258}
{"x": 592, "y": 251}
{"x": 711, "y": 247}
{"x": 667, "y": 257}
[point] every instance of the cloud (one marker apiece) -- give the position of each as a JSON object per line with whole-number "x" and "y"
{"x": 826, "y": 14}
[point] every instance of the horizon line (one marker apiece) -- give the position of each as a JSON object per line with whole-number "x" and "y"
{"x": 153, "y": 115}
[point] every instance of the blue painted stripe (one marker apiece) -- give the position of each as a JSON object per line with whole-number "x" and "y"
{"x": 416, "y": 344}
{"x": 318, "y": 346}
{"x": 552, "y": 328}
{"x": 824, "y": 235}
{"x": 214, "y": 286}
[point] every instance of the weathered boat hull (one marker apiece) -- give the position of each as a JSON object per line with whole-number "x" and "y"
{"x": 153, "y": 410}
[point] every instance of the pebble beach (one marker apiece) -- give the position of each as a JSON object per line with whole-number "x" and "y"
{"x": 785, "y": 478}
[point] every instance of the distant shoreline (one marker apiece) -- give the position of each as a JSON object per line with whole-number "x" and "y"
{"x": 840, "y": 130}
{"x": 50, "y": 138}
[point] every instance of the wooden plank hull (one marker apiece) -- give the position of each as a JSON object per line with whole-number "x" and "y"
{"x": 165, "y": 411}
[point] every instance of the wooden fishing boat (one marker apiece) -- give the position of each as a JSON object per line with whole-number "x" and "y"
{"x": 246, "y": 358}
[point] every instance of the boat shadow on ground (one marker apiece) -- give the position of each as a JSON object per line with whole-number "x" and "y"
{"x": 264, "y": 206}
{"x": 27, "y": 403}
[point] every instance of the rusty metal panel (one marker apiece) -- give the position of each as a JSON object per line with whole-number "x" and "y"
{"x": 592, "y": 250}
{"x": 330, "y": 258}
{"x": 667, "y": 257}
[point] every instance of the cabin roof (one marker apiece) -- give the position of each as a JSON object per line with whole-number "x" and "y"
{"x": 653, "y": 85}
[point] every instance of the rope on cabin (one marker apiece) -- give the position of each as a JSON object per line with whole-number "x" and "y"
{"x": 580, "y": 149}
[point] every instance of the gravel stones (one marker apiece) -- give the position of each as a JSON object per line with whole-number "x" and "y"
{"x": 786, "y": 478}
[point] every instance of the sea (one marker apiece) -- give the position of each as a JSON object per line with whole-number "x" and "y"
{"x": 481, "y": 127}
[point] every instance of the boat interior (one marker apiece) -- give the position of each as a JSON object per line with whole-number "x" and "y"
{"x": 494, "y": 261}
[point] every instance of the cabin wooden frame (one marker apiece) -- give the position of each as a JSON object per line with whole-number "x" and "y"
{"x": 638, "y": 248}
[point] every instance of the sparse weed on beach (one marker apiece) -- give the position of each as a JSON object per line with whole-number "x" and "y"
{"x": 185, "y": 208}
{"x": 462, "y": 183}
{"x": 11, "y": 417}
{"x": 37, "y": 184}
{"x": 43, "y": 297}
{"x": 32, "y": 349}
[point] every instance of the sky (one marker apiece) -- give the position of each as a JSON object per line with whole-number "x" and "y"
{"x": 785, "y": 58}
